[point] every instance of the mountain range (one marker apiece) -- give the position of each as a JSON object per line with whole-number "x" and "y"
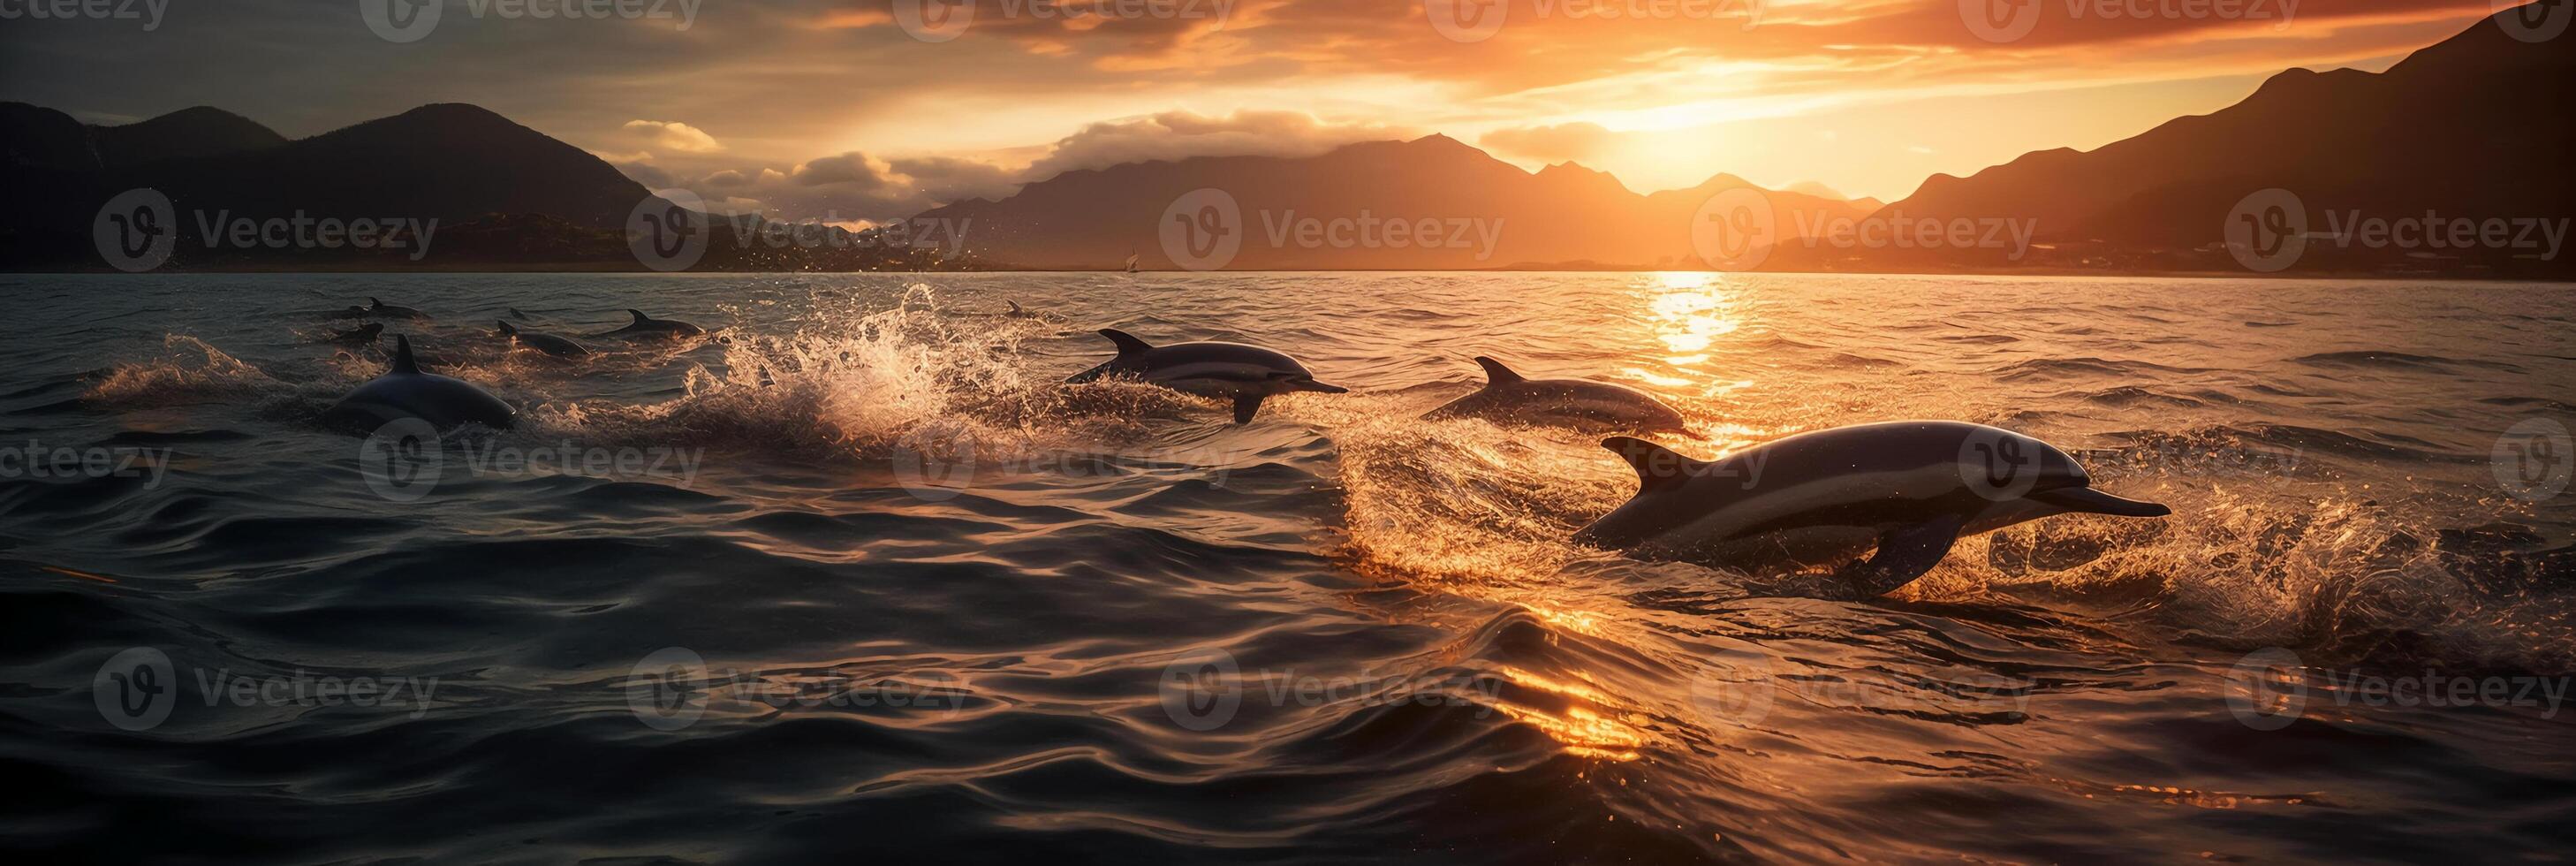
{"x": 2477, "y": 126}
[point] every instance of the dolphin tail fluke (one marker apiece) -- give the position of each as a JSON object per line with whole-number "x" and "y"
{"x": 403, "y": 361}
{"x": 1496, "y": 373}
{"x": 1245, "y": 406}
{"x": 1658, "y": 467}
{"x": 2087, "y": 500}
{"x": 1126, "y": 342}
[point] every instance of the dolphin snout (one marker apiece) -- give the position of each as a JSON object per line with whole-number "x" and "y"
{"x": 1312, "y": 385}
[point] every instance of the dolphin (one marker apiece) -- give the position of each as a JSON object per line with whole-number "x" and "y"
{"x": 1227, "y": 371}
{"x": 379, "y": 308}
{"x": 406, "y": 392}
{"x": 647, "y": 326}
{"x": 547, "y": 343}
{"x": 515, "y": 314}
{"x": 1903, "y": 489}
{"x": 361, "y": 336}
{"x": 1574, "y": 403}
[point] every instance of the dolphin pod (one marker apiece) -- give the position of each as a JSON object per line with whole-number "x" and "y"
{"x": 1510, "y": 398}
{"x": 1226, "y": 371}
{"x": 406, "y": 392}
{"x": 1899, "y": 492}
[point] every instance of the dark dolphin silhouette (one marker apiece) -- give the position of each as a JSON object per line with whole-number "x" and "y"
{"x": 547, "y": 343}
{"x": 647, "y": 326}
{"x": 1508, "y": 398}
{"x": 406, "y": 392}
{"x": 1905, "y": 490}
{"x": 1227, "y": 371}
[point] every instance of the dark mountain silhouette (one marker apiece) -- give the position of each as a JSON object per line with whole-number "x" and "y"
{"x": 2479, "y": 125}
{"x": 504, "y": 195}
{"x": 1486, "y": 213}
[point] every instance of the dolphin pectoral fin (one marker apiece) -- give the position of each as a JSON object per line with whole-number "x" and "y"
{"x": 2087, "y": 500}
{"x": 1244, "y": 406}
{"x": 1904, "y": 553}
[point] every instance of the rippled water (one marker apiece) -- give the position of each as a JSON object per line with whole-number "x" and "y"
{"x": 927, "y": 602}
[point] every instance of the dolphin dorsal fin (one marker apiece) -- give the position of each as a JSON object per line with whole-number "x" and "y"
{"x": 403, "y": 362}
{"x": 374, "y": 304}
{"x": 1496, "y": 373}
{"x": 1658, "y": 467}
{"x": 1015, "y": 307}
{"x": 1127, "y": 343}
{"x": 640, "y": 318}
{"x": 506, "y": 330}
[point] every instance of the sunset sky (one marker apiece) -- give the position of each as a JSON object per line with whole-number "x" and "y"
{"x": 814, "y": 107}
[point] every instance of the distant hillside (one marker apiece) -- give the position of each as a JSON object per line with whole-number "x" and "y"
{"x": 506, "y": 195}
{"x": 1340, "y": 210}
{"x": 2480, "y": 125}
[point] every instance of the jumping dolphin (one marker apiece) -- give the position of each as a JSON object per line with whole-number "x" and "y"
{"x": 1227, "y": 371}
{"x": 361, "y": 336}
{"x": 547, "y": 343}
{"x": 379, "y": 308}
{"x": 1906, "y": 489}
{"x": 647, "y": 326}
{"x": 406, "y": 392}
{"x": 1576, "y": 403}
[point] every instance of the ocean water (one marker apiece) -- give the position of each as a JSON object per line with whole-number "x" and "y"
{"x": 857, "y": 579}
